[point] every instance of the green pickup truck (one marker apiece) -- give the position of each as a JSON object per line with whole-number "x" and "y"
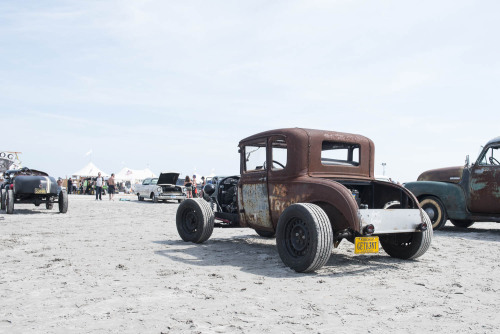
{"x": 465, "y": 194}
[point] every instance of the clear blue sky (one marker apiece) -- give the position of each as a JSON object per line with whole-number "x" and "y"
{"x": 176, "y": 84}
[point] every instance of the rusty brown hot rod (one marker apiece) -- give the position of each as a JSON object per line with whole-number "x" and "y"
{"x": 311, "y": 189}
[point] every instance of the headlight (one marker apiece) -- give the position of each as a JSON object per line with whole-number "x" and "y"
{"x": 158, "y": 190}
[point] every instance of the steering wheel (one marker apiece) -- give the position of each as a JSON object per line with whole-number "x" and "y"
{"x": 274, "y": 162}
{"x": 494, "y": 161}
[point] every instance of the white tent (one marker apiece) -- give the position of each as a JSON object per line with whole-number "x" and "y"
{"x": 89, "y": 170}
{"x": 127, "y": 174}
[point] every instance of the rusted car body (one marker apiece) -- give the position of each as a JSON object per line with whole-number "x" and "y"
{"x": 463, "y": 194}
{"x": 291, "y": 175}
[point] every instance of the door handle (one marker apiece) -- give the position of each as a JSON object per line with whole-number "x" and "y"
{"x": 263, "y": 179}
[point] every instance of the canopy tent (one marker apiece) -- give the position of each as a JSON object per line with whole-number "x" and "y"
{"x": 127, "y": 174}
{"x": 89, "y": 170}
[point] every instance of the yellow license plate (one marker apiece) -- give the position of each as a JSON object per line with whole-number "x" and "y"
{"x": 40, "y": 191}
{"x": 363, "y": 245}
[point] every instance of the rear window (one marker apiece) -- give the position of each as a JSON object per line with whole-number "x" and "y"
{"x": 339, "y": 154}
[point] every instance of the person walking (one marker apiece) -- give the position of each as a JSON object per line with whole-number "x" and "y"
{"x": 111, "y": 187}
{"x": 70, "y": 185}
{"x": 98, "y": 186}
{"x": 188, "y": 185}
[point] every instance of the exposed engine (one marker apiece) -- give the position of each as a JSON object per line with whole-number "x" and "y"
{"x": 227, "y": 196}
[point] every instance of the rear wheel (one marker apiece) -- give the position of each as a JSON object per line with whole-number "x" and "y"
{"x": 462, "y": 223}
{"x": 63, "y": 201}
{"x": 194, "y": 220}
{"x": 2, "y": 199}
{"x": 435, "y": 210}
{"x": 140, "y": 198}
{"x": 408, "y": 246}
{"x": 9, "y": 202}
{"x": 266, "y": 234}
{"x": 304, "y": 237}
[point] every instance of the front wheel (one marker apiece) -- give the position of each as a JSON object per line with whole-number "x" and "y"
{"x": 2, "y": 200}
{"x": 154, "y": 198}
{"x": 194, "y": 220}
{"x": 304, "y": 237}
{"x": 462, "y": 223}
{"x": 9, "y": 202}
{"x": 266, "y": 234}
{"x": 63, "y": 201}
{"x": 435, "y": 210}
{"x": 408, "y": 246}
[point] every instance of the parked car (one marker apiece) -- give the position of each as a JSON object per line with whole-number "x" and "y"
{"x": 163, "y": 188}
{"x": 31, "y": 186}
{"x": 312, "y": 189}
{"x": 463, "y": 194}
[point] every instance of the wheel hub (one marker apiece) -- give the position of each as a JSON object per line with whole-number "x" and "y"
{"x": 299, "y": 236}
{"x": 430, "y": 212}
{"x": 190, "y": 222}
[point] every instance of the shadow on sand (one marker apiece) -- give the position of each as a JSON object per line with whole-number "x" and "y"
{"x": 473, "y": 233}
{"x": 250, "y": 255}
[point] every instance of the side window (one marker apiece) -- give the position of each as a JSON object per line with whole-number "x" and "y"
{"x": 146, "y": 182}
{"x": 333, "y": 153}
{"x": 491, "y": 157}
{"x": 154, "y": 181}
{"x": 255, "y": 156}
{"x": 279, "y": 154}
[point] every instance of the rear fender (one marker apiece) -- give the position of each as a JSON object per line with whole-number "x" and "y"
{"x": 452, "y": 195}
{"x": 335, "y": 199}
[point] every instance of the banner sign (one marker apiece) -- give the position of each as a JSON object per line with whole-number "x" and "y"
{"x": 9, "y": 160}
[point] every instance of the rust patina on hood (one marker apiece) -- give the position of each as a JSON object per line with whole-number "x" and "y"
{"x": 448, "y": 174}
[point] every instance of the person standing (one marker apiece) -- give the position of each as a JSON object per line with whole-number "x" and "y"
{"x": 98, "y": 186}
{"x": 70, "y": 185}
{"x": 111, "y": 187}
{"x": 195, "y": 187}
{"x": 188, "y": 185}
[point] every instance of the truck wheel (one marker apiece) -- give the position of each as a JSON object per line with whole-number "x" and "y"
{"x": 408, "y": 246}
{"x": 194, "y": 220}
{"x": 9, "y": 202}
{"x": 435, "y": 210}
{"x": 462, "y": 223}
{"x": 2, "y": 199}
{"x": 266, "y": 234}
{"x": 304, "y": 237}
{"x": 49, "y": 206}
{"x": 63, "y": 201}
{"x": 154, "y": 198}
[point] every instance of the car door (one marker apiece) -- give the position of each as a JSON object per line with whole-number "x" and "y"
{"x": 253, "y": 183}
{"x": 484, "y": 186}
{"x": 143, "y": 190}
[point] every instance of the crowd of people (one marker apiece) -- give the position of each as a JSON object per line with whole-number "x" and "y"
{"x": 192, "y": 186}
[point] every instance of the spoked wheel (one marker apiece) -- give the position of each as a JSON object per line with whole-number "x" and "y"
{"x": 266, "y": 234}
{"x": 462, "y": 223}
{"x": 408, "y": 245}
{"x": 304, "y": 237}
{"x": 63, "y": 201}
{"x": 195, "y": 220}
{"x": 435, "y": 210}
{"x": 9, "y": 202}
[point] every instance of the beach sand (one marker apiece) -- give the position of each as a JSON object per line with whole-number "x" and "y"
{"x": 120, "y": 267}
